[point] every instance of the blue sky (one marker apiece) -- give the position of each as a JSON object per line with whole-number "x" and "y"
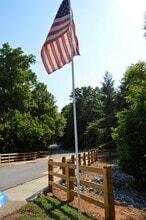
{"x": 110, "y": 34}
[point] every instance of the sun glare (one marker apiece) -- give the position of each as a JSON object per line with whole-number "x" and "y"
{"x": 133, "y": 10}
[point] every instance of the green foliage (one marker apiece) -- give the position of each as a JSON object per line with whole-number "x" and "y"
{"x": 29, "y": 120}
{"x": 96, "y": 109}
{"x": 67, "y": 140}
{"x": 109, "y": 110}
{"x": 94, "y": 134}
{"x": 135, "y": 81}
{"x": 16, "y": 79}
{"x": 97, "y": 121}
{"x": 88, "y": 109}
{"x": 130, "y": 135}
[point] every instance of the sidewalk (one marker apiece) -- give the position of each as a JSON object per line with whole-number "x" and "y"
{"x": 21, "y": 194}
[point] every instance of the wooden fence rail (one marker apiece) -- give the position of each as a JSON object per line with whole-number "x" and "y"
{"x": 16, "y": 157}
{"x": 67, "y": 173}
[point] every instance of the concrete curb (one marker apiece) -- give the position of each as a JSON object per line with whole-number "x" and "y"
{"x": 21, "y": 194}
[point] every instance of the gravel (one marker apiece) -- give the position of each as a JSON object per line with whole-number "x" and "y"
{"x": 125, "y": 192}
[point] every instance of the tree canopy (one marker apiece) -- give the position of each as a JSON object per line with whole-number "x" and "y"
{"x": 29, "y": 120}
{"x": 96, "y": 109}
{"x": 109, "y": 117}
{"x": 106, "y": 117}
{"x": 130, "y": 135}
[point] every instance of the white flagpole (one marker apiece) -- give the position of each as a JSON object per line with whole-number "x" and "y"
{"x": 74, "y": 112}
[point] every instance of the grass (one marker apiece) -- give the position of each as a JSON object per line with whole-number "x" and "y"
{"x": 50, "y": 208}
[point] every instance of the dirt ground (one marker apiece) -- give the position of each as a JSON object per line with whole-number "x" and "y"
{"x": 121, "y": 212}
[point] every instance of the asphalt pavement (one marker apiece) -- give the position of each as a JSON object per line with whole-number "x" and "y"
{"x": 23, "y": 193}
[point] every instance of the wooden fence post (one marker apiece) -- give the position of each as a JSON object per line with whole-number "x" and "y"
{"x": 23, "y": 156}
{"x": 63, "y": 168}
{"x": 79, "y": 158}
{"x": 16, "y": 157}
{"x": 89, "y": 158}
{"x": 108, "y": 193}
{"x": 73, "y": 162}
{"x": 73, "y": 158}
{"x": 94, "y": 155}
{"x": 50, "y": 176}
{"x": 84, "y": 159}
{"x": 70, "y": 185}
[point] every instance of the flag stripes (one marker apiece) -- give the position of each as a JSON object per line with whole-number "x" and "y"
{"x": 56, "y": 51}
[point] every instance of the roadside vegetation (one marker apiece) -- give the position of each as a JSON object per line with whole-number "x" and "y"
{"x": 107, "y": 117}
{"x": 49, "y": 208}
{"x": 29, "y": 119}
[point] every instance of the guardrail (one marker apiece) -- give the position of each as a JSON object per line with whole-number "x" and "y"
{"x": 16, "y": 157}
{"x": 68, "y": 168}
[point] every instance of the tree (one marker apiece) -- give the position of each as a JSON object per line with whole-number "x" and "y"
{"x": 108, "y": 119}
{"x": 135, "y": 81}
{"x": 96, "y": 110}
{"x": 67, "y": 140}
{"x": 87, "y": 107}
{"x": 46, "y": 110}
{"x": 88, "y": 110}
{"x": 28, "y": 115}
{"x": 130, "y": 138}
{"x": 130, "y": 135}
{"x": 16, "y": 79}
{"x": 94, "y": 133}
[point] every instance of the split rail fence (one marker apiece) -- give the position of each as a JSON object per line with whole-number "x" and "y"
{"x": 68, "y": 176}
{"x": 16, "y": 157}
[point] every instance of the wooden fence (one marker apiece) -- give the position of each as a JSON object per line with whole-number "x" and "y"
{"x": 15, "y": 157}
{"x": 67, "y": 174}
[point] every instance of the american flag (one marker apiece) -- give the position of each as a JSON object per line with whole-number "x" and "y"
{"x": 56, "y": 51}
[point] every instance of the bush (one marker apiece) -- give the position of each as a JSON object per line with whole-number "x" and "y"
{"x": 130, "y": 137}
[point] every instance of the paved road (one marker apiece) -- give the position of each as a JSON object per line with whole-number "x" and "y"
{"x": 14, "y": 174}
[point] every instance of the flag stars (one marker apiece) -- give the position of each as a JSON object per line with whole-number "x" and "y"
{"x": 56, "y": 50}
{"x": 64, "y": 9}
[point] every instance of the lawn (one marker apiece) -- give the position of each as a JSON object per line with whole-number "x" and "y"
{"x": 49, "y": 208}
